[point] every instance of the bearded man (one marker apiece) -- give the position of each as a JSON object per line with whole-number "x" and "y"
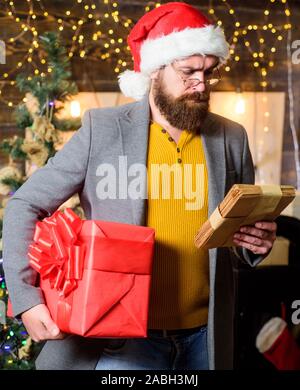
{"x": 177, "y": 54}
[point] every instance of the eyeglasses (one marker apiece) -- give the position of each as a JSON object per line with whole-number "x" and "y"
{"x": 210, "y": 79}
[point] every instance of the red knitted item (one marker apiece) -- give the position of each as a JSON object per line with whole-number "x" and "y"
{"x": 284, "y": 352}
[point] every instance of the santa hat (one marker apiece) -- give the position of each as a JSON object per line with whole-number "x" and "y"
{"x": 169, "y": 32}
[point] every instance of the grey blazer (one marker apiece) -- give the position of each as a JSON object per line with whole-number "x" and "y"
{"x": 105, "y": 135}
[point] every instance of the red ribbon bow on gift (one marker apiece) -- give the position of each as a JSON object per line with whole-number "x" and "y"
{"x": 56, "y": 252}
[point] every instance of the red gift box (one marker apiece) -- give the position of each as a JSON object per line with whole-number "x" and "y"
{"x": 95, "y": 275}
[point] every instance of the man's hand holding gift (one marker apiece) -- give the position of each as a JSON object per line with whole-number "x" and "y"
{"x": 40, "y": 325}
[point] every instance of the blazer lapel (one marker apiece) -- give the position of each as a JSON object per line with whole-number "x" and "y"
{"x": 134, "y": 132}
{"x": 214, "y": 146}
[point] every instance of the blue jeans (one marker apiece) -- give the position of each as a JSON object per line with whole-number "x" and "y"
{"x": 157, "y": 352}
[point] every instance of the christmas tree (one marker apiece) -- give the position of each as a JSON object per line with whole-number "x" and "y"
{"x": 38, "y": 139}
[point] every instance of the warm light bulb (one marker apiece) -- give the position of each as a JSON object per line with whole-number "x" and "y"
{"x": 240, "y": 106}
{"x": 75, "y": 109}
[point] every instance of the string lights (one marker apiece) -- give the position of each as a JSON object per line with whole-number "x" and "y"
{"x": 261, "y": 39}
{"x": 97, "y": 31}
{"x": 89, "y": 39}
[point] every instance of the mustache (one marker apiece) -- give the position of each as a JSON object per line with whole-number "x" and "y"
{"x": 197, "y": 97}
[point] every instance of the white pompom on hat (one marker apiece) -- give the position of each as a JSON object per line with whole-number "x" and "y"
{"x": 172, "y": 31}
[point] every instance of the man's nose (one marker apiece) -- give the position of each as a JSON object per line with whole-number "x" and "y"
{"x": 201, "y": 87}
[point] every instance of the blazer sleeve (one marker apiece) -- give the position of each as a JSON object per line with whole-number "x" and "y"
{"x": 247, "y": 177}
{"x": 43, "y": 192}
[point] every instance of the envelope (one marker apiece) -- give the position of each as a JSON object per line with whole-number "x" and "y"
{"x": 95, "y": 275}
{"x": 244, "y": 204}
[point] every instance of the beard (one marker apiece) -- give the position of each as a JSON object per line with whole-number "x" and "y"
{"x": 185, "y": 112}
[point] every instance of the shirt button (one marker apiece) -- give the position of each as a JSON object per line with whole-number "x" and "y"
{"x": 179, "y": 160}
{"x": 178, "y": 150}
{"x": 170, "y": 139}
{"x": 163, "y": 131}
